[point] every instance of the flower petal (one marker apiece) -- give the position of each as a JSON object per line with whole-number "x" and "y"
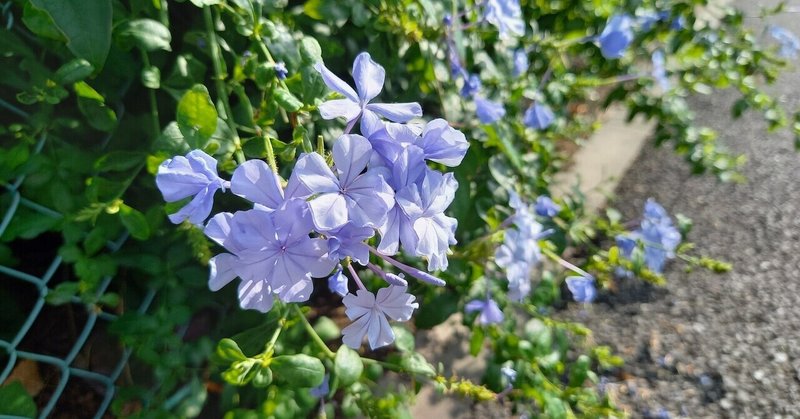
{"x": 397, "y": 112}
{"x": 351, "y": 154}
{"x": 369, "y": 77}
{"x": 335, "y": 83}
{"x": 339, "y": 108}
{"x": 354, "y": 333}
{"x": 255, "y": 295}
{"x": 329, "y": 211}
{"x": 396, "y": 303}
{"x": 380, "y": 332}
{"x": 312, "y": 171}
{"x": 255, "y": 181}
{"x": 311, "y": 255}
{"x": 222, "y": 270}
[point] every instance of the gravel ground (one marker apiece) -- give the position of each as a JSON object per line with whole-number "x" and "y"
{"x": 709, "y": 345}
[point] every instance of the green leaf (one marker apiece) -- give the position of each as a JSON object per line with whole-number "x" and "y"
{"x": 135, "y": 222}
{"x": 298, "y": 370}
{"x": 403, "y": 339}
{"x": 85, "y": 91}
{"x": 263, "y": 377}
{"x": 287, "y": 100}
{"x": 99, "y": 116}
{"x": 15, "y": 401}
{"x": 62, "y": 293}
{"x": 229, "y": 350}
{"x": 310, "y": 51}
{"x": 92, "y": 106}
{"x": 326, "y": 328}
{"x": 151, "y": 77}
{"x": 73, "y": 71}
{"x": 415, "y": 363}
{"x": 85, "y": 24}
{"x": 241, "y": 372}
{"x": 197, "y": 116}
{"x": 203, "y": 3}
{"x": 147, "y": 34}
{"x": 347, "y": 365}
{"x": 119, "y": 161}
{"x": 476, "y": 341}
{"x": 252, "y": 341}
{"x": 40, "y": 23}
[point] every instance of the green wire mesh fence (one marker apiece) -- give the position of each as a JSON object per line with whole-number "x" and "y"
{"x": 65, "y": 365}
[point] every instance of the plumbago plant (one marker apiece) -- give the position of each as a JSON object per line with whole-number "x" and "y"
{"x": 351, "y": 218}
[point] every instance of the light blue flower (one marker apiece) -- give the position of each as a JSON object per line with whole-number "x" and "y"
{"x": 255, "y": 181}
{"x": 659, "y": 69}
{"x": 616, "y": 36}
{"x": 489, "y": 311}
{"x": 348, "y": 196}
{"x": 472, "y": 85}
{"x": 271, "y": 252}
{"x": 338, "y": 283}
{"x": 369, "y": 77}
{"x": 192, "y": 175}
{"x": 788, "y": 42}
{"x": 538, "y": 116}
{"x": 506, "y": 15}
{"x": 370, "y": 314}
{"x": 348, "y": 241}
{"x": 509, "y": 373}
{"x": 488, "y": 111}
{"x": 520, "y": 62}
{"x": 425, "y": 203}
{"x": 582, "y": 288}
{"x": 437, "y": 141}
{"x": 545, "y": 207}
{"x": 280, "y": 70}
{"x": 657, "y": 234}
{"x": 323, "y": 389}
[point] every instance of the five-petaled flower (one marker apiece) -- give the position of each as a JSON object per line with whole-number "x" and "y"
{"x": 369, "y": 77}
{"x": 370, "y": 314}
{"x": 582, "y": 288}
{"x": 349, "y": 195}
{"x": 489, "y": 311}
{"x": 271, "y": 252}
{"x": 192, "y": 175}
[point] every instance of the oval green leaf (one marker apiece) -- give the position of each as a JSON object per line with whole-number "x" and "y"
{"x": 298, "y": 370}
{"x": 347, "y": 365}
{"x": 197, "y": 116}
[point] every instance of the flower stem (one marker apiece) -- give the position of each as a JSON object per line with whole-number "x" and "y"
{"x": 273, "y": 164}
{"x": 276, "y": 334}
{"x": 549, "y": 253}
{"x": 355, "y": 276}
{"x": 311, "y": 332}
{"x": 222, "y": 92}
{"x": 152, "y": 97}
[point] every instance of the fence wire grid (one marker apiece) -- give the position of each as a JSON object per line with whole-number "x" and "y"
{"x": 63, "y": 364}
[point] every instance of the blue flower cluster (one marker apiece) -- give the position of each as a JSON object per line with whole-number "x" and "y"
{"x": 379, "y": 181}
{"x": 656, "y": 233}
{"x": 519, "y": 254}
{"x": 506, "y": 16}
{"x": 788, "y": 42}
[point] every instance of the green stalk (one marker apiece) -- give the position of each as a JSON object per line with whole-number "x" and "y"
{"x": 152, "y": 96}
{"x": 311, "y": 332}
{"x": 273, "y": 164}
{"x": 222, "y": 92}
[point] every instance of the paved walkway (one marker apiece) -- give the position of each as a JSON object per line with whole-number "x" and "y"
{"x": 712, "y": 345}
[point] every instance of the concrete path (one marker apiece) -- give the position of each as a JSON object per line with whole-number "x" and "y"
{"x": 711, "y": 345}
